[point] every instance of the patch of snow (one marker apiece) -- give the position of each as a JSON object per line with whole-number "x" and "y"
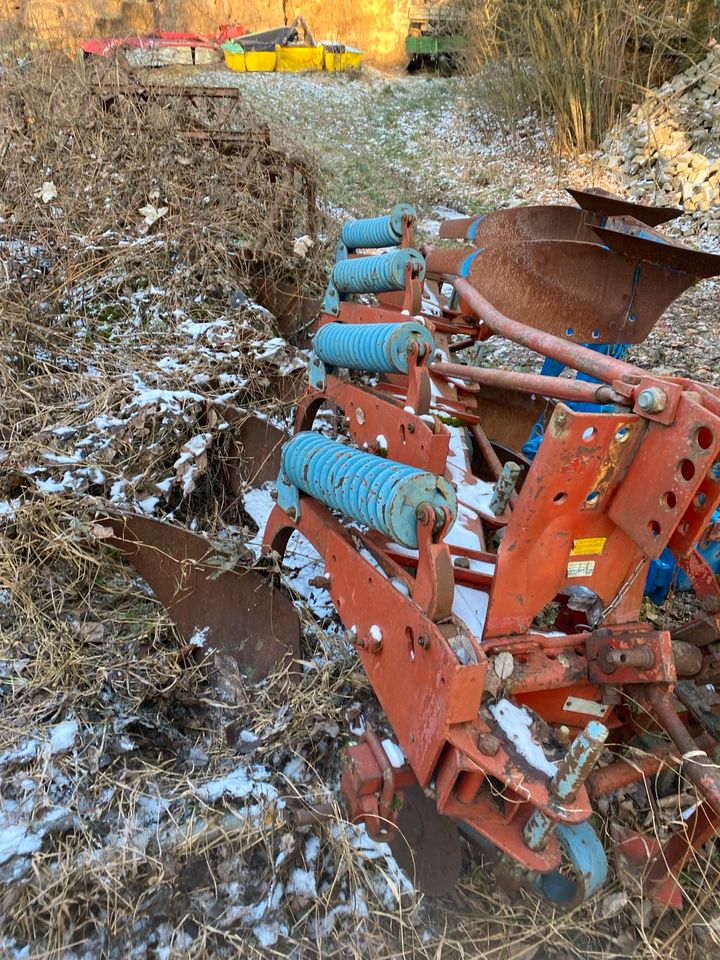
{"x": 62, "y": 736}
{"x": 9, "y": 509}
{"x": 312, "y": 848}
{"x": 515, "y": 722}
{"x": 470, "y": 605}
{"x": 240, "y": 783}
{"x": 394, "y": 753}
{"x": 302, "y": 883}
{"x": 199, "y": 637}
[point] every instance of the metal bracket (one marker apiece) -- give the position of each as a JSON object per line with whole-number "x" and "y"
{"x": 331, "y": 301}
{"x": 288, "y": 497}
{"x": 435, "y": 583}
{"x": 618, "y": 658}
{"x": 317, "y": 373}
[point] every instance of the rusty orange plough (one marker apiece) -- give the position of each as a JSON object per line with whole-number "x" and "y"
{"x": 495, "y": 602}
{"x": 444, "y": 546}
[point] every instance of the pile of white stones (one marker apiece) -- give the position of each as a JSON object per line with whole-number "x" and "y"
{"x": 668, "y": 147}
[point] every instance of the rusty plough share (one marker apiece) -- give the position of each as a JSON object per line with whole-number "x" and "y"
{"x": 445, "y": 548}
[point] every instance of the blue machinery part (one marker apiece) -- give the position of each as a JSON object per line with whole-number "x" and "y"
{"x": 590, "y": 867}
{"x": 567, "y": 780}
{"x": 579, "y": 841}
{"x": 379, "y": 493}
{"x": 664, "y": 573}
{"x": 376, "y": 232}
{"x": 373, "y": 347}
{"x": 379, "y": 273}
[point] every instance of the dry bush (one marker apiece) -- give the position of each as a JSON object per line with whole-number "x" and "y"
{"x": 579, "y": 62}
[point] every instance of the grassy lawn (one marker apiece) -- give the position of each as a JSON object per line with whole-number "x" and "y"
{"x": 384, "y": 139}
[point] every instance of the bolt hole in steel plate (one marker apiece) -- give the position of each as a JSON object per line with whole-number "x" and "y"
{"x": 427, "y": 845}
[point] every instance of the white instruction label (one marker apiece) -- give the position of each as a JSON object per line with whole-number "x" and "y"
{"x": 590, "y": 707}
{"x": 580, "y": 568}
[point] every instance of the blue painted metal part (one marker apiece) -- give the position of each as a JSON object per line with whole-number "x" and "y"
{"x": 379, "y": 493}
{"x": 379, "y": 273}
{"x": 553, "y": 368}
{"x": 376, "y": 347}
{"x": 473, "y": 228}
{"x": 590, "y": 867}
{"x": 567, "y": 780}
{"x": 664, "y": 572}
{"x": 377, "y": 231}
{"x": 467, "y": 262}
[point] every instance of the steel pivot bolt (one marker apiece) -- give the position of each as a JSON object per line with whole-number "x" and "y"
{"x": 652, "y": 400}
{"x": 570, "y": 775}
{"x": 505, "y": 487}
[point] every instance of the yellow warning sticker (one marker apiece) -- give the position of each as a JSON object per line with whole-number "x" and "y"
{"x": 588, "y": 546}
{"x": 580, "y": 568}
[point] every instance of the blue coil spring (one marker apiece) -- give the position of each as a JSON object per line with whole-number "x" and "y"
{"x": 379, "y": 493}
{"x": 377, "y": 231}
{"x": 376, "y": 347}
{"x": 376, "y": 274}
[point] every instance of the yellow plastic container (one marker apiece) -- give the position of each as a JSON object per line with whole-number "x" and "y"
{"x": 260, "y": 60}
{"x": 352, "y": 58}
{"x": 294, "y": 58}
{"x": 333, "y": 61}
{"x": 348, "y": 59}
{"x": 234, "y": 56}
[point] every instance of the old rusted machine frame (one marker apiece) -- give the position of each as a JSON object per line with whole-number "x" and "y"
{"x": 608, "y": 491}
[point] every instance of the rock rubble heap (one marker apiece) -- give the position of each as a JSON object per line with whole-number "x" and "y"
{"x": 668, "y": 147}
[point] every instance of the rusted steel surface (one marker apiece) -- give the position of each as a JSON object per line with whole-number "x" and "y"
{"x": 673, "y": 256}
{"x": 521, "y": 223}
{"x": 560, "y": 389}
{"x": 635, "y": 656}
{"x": 507, "y": 416}
{"x": 426, "y": 844}
{"x": 572, "y": 355}
{"x": 610, "y": 205}
{"x": 235, "y": 611}
{"x": 622, "y": 773}
{"x": 582, "y": 291}
{"x": 295, "y": 313}
{"x": 252, "y": 449}
{"x": 698, "y": 767}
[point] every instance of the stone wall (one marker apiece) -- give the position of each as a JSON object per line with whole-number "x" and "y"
{"x": 377, "y": 26}
{"x": 668, "y": 149}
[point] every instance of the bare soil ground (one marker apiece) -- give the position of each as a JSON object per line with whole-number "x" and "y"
{"x": 143, "y": 809}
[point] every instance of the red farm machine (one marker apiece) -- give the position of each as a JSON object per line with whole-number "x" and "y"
{"x": 446, "y": 548}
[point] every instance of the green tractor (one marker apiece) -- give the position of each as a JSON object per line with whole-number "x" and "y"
{"x": 435, "y": 37}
